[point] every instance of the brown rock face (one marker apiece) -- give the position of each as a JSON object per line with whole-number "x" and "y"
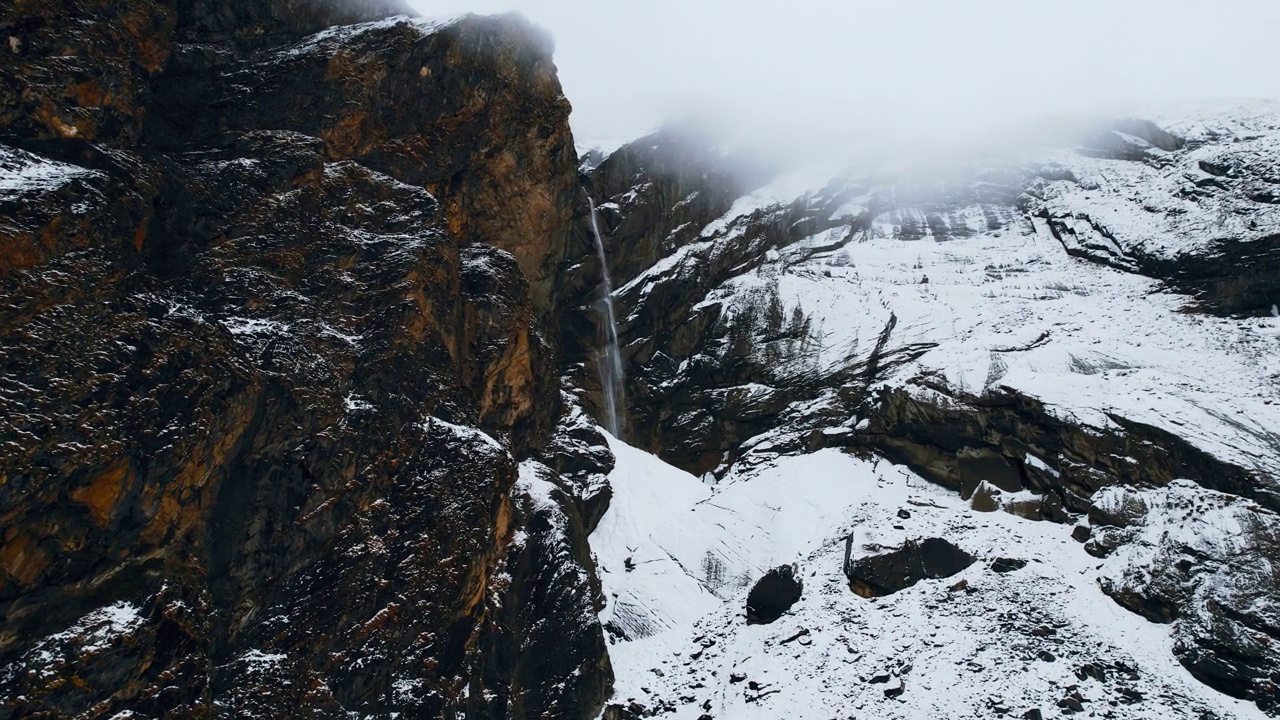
{"x": 270, "y": 360}
{"x": 81, "y": 69}
{"x": 387, "y": 94}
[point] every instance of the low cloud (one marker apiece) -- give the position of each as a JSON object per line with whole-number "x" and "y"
{"x": 808, "y": 79}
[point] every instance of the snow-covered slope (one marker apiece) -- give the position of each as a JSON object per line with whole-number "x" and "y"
{"x": 1009, "y": 308}
{"x": 1172, "y": 188}
{"x": 981, "y": 281}
{"x": 1002, "y": 643}
{"x": 1030, "y": 333}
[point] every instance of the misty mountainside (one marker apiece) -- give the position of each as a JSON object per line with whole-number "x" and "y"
{"x": 1039, "y": 391}
{"x": 300, "y": 396}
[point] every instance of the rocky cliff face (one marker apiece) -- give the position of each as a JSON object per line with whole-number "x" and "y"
{"x": 660, "y": 200}
{"x": 280, "y": 415}
{"x": 297, "y": 345}
{"x": 1193, "y": 204}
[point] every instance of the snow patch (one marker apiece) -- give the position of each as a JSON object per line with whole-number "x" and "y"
{"x": 23, "y": 172}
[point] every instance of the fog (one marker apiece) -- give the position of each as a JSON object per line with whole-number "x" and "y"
{"x": 809, "y": 78}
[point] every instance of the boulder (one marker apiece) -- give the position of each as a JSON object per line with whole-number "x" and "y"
{"x": 773, "y": 594}
{"x": 1006, "y": 565}
{"x": 895, "y": 570}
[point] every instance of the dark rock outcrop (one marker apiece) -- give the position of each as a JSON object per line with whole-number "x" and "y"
{"x": 888, "y": 572}
{"x": 547, "y": 641}
{"x": 1007, "y": 565}
{"x": 1131, "y": 139}
{"x": 274, "y": 367}
{"x": 1229, "y": 277}
{"x": 773, "y": 594}
{"x": 1009, "y": 440}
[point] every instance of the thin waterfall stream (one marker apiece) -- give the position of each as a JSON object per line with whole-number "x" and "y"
{"x": 609, "y": 361}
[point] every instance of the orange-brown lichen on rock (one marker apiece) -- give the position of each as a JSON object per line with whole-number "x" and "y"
{"x": 485, "y": 127}
{"x": 23, "y": 559}
{"x": 104, "y": 491}
{"x": 83, "y": 68}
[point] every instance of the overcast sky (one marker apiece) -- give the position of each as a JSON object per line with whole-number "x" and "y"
{"x": 811, "y": 74}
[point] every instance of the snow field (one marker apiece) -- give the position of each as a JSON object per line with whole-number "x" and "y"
{"x": 1005, "y": 644}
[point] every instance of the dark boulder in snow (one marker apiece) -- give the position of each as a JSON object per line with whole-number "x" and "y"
{"x": 773, "y": 595}
{"x": 887, "y": 573}
{"x": 1005, "y": 565}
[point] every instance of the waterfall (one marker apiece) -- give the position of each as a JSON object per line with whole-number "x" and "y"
{"x": 609, "y": 361}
